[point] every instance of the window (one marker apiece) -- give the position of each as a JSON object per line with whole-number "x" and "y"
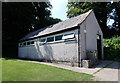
{"x": 24, "y": 44}
{"x": 43, "y": 40}
{"x": 50, "y": 39}
{"x": 20, "y": 44}
{"x": 59, "y": 37}
{"x": 32, "y": 42}
{"x": 68, "y": 36}
{"x": 28, "y": 43}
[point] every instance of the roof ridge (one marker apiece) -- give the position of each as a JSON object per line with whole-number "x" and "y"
{"x": 86, "y": 16}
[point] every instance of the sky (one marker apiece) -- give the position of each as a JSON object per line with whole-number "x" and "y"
{"x": 60, "y": 8}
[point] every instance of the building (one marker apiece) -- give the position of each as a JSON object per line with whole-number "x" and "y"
{"x": 71, "y": 40}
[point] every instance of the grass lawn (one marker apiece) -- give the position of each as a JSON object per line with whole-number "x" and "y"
{"x": 17, "y": 70}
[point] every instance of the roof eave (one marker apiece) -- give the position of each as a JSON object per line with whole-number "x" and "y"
{"x": 85, "y": 18}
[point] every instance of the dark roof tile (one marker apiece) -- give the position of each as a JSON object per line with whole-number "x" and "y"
{"x": 72, "y": 22}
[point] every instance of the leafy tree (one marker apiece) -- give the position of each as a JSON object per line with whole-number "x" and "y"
{"x": 112, "y": 48}
{"x": 102, "y": 12}
{"x": 18, "y": 19}
{"x": 42, "y": 15}
{"x": 16, "y": 22}
{"x": 116, "y": 16}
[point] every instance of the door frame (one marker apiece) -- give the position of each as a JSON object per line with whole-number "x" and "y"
{"x": 99, "y": 47}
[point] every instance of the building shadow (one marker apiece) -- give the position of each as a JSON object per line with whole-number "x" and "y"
{"x": 49, "y": 52}
{"x": 39, "y": 54}
{"x": 107, "y": 64}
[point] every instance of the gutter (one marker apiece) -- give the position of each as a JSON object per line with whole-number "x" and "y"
{"x": 79, "y": 49}
{"x": 79, "y": 55}
{"x": 72, "y": 28}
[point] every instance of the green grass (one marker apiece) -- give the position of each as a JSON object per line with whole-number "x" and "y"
{"x": 17, "y": 70}
{"x": 0, "y": 70}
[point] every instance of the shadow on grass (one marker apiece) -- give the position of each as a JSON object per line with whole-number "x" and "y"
{"x": 25, "y": 59}
{"x": 9, "y": 58}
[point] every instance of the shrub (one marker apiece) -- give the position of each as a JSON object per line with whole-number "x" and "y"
{"x": 112, "y": 48}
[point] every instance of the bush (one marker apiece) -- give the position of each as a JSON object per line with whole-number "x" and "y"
{"x": 112, "y": 48}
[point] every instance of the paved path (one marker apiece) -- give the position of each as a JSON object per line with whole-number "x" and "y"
{"x": 109, "y": 73}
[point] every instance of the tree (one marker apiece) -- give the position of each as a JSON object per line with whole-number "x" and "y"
{"x": 116, "y": 16}
{"x": 18, "y": 19}
{"x": 102, "y": 12}
{"x": 42, "y": 15}
{"x": 16, "y": 22}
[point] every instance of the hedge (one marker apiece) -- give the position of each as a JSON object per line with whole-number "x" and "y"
{"x": 112, "y": 48}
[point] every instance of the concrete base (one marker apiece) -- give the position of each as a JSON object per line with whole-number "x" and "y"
{"x": 73, "y": 64}
{"x": 85, "y": 63}
{"x": 89, "y": 63}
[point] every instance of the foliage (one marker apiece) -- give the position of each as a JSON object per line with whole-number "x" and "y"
{"x": 116, "y": 16}
{"x": 112, "y": 48}
{"x": 102, "y": 12}
{"x": 18, "y": 19}
{"x": 42, "y": 15}
{"x": 16, "y": 22}
{"x": 17, "y": 70}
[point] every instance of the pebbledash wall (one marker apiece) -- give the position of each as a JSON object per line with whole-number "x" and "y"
{"x": 70, "y": 45}
{"x": 61, "y": 50}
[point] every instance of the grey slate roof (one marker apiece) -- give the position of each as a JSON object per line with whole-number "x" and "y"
{"x": 67, "y": 24}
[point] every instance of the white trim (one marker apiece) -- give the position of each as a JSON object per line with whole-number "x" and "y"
{"x": 69, "y": 35}
{"x": 20, "y": 45}
{"x": 41, "y": 43}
